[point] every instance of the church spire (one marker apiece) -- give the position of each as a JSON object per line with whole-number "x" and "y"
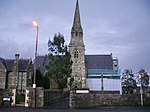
{"x": 77, "y": 51}
{"x": 77, "y": 22}
{"x": 77, "y": 31}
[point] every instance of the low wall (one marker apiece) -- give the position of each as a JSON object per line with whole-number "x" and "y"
{"x": 96, "y": 99}
{"x": 4, "y": 93}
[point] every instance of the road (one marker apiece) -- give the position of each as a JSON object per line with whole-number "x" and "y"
{"x": 100, "y": 109}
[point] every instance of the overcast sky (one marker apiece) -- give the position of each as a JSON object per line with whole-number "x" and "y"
{"x": 120, "y": 27}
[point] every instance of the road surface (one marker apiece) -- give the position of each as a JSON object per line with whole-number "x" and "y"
{"x": 100, "y": 109}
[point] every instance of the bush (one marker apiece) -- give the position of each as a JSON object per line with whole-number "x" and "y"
{"x": 20, "y": 98}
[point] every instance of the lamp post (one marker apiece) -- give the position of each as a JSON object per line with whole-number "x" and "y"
{"x": 34, "y": 80}
{"x": 141, "y": 89}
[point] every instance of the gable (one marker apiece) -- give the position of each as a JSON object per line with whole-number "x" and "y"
{"x": 2, "y": 61}
{"x": 2, "y": 64}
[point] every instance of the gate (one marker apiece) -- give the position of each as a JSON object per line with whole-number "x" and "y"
{"x": 56, "y": 99}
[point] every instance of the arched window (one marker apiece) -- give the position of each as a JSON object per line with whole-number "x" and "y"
{"x": 76, "y": 54}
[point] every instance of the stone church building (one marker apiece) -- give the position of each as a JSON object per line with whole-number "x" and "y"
{"x": 16, "y": 73}
{"x": 95, "y": 72}
{"x": 92, "y": 71}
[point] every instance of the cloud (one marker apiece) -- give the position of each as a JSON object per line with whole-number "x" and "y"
{"x": 119, "y": 27}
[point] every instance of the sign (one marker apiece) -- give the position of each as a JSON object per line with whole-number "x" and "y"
{"x": 7, "y": 99}
{"x": 82, "y": 91}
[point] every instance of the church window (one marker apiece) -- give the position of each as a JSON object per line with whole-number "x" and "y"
{"x": 76, "y": 54}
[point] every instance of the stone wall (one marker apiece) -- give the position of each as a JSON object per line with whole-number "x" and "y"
{"x": 106, "y": 99}
{"x": 4, "y": 93}
{"x": 2, "y": 76}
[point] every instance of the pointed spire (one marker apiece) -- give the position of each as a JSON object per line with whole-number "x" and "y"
{"x": 77, "y": 31}
{"x": 77, "y": 22}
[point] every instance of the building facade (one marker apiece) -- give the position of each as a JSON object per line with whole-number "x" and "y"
{"x": 16, "y": 73}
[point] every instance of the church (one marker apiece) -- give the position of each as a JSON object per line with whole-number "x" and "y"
{"x": 96, "y": 72}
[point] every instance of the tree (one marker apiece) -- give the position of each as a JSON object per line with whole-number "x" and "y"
{"x": 59, "y": 68}
{"x": 143, "y": 78}
{"x": 42, "y": 80}
{"x": 128, "y": 82}
{"x": 46, "y": 82}
{"x": 39, "y": 78}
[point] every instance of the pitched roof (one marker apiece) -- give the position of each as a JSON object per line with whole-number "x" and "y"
{"x": 23, "y": 64}
{"x": 41, "y": 62}
{"x": 98, "y": 62}
{"x": 8, "y": 63}
{"x": 91, "y": 62}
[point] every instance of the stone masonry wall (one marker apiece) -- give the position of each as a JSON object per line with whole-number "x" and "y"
{"x": 113, "y": 99}
{"x": 4, "y": 93}
{"x": 2, "y": 76}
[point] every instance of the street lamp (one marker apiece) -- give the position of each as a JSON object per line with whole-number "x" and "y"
{"x": 35, "y": 23}
{"x": 141, "y": 89}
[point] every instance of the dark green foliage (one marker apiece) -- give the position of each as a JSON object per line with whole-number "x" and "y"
{"x": 39, "y": 78}
{"x": 57, "y": 47}
{"x": 20, "y": 98}
{"x": 46, "y": 82}
{"x": 59, "y": 68}
{"x": 128, "y": 82}
{"x": 42, "y": 80}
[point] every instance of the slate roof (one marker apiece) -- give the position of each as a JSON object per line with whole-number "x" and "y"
{"x": 41, "y": 62}
{"x": 98, "y": 62}
{"x": 91, "y": 62}
{"x": 23, "y": 64}
{"x": 8, "y": 63}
